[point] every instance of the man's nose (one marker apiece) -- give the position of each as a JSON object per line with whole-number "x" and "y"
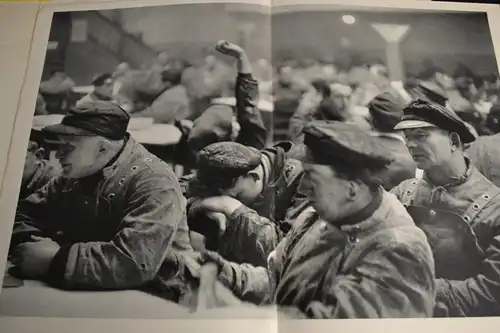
{"x": 60, "y": 152}
{"x": 411, "y": 144}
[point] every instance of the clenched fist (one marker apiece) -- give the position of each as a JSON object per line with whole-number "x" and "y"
{"x": 229, "y": 49}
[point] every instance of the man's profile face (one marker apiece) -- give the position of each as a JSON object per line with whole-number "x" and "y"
{"x": 429, "y": 147}
{"x": 247, "y": 188}
{"x": 326, "y": 190}
{"x": 77, "y": 155}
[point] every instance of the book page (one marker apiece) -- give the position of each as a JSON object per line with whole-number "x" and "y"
{"x": 117, "y": 264}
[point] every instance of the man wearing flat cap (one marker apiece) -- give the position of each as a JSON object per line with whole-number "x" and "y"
{"x": 255, "y": 194}
{"x": 386, "y": 110}
{"x": 356, "y": 253}
{"x": 457, "y": 207}
{"x": 110, "y": 219}
{"x": 103, "y": 89}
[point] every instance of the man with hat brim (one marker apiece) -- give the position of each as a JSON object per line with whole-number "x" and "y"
{"x": 254, "y": 195}
{"x": 37, "y": 171}
{"x": 386, "y": 110}
{"x": 457, "y": 207}
{"x": 355, "y": 253}
{"x": 103, "y": 89}
{"x": 112, "y": 216}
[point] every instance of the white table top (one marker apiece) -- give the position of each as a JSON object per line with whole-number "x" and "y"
{"x": 35, "y": 299}
{"x": 262, "y": 105}
{"x": 156, "y": 134}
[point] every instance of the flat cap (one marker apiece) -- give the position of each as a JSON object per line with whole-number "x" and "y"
{"x": 100, "y": 79}
{"x": 420, "y": 113}
{"x": 229, "y": 155}
{"x": 433, "y": 92}
{"x": 387, "y": 110}
{"x": 101, "y": 118}
{"x": 338, "y": 143}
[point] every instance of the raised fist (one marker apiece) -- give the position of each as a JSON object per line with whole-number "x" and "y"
{"x": 229, "y": 49}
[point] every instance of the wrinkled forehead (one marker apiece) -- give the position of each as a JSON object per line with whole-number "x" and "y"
{"x": 424, "y": 131}
{"x": 75, "y": 139}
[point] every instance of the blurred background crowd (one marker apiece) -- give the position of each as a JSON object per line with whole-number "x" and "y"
{"x": 322, "y": 63}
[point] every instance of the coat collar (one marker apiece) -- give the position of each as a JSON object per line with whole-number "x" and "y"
{"x": 124, "y": 157}
{"x": 456, "y": 181}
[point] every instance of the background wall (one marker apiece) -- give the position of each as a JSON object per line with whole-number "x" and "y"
{"x": 188, "y": 31}
{"x": 445, "y": 38}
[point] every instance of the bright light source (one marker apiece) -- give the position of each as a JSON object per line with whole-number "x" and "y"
{"x": 348, "y": 19}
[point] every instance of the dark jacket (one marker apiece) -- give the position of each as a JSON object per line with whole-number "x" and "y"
{"x": 381, "y": 267}
{"x": 116, "y": 235}
{"x": 477, "y": 200}
{"x": 44, "y": 172}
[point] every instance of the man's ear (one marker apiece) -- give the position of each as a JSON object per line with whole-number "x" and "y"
{"x": 254, "y": 175}
{"x": 40, "y": 153}
{"x": 104, "y": 146}
{"x": 456, "y": 142}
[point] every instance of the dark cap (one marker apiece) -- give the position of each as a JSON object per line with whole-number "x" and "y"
{"x": 101, "y": 118}
{"x": 227, "y": 159}
{"x": 338, "y": 143}
{"x": 99, "y": 79}
{"x": 386, "y": 110}
{"x": 421, "y": 113}
{"x": 433, "y": 92}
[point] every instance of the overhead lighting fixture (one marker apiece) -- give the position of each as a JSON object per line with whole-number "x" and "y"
{"x": 348, "y": 19}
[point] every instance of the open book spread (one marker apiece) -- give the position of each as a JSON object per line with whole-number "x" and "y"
{"x": 236, "y": 160}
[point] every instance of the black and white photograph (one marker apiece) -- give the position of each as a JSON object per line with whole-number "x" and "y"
{"x": 231, "y": 160}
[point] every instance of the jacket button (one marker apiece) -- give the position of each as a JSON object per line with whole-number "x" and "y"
{"x": 134, "y": 168}
{"x": 121, "y": 181}
{"x": 111, "y": 196}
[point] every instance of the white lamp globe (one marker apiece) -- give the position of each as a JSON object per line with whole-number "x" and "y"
{"x": 348, "y": 19}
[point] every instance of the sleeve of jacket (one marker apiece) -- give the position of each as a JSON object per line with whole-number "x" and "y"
{"x": 476, "y": 296}
{"x": 31, "y": 214}
{"x": 258, "y": 284}
{"x": 393, "y": 281}
{"x": 155, "y": 209}
{"x": 250, "y": 236}
{"x": 253, "y": 132}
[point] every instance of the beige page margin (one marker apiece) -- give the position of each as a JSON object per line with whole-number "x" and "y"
{"x": 23, "y": 37}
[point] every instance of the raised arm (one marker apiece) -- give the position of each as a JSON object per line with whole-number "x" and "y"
{"x": 253, "y": 131}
